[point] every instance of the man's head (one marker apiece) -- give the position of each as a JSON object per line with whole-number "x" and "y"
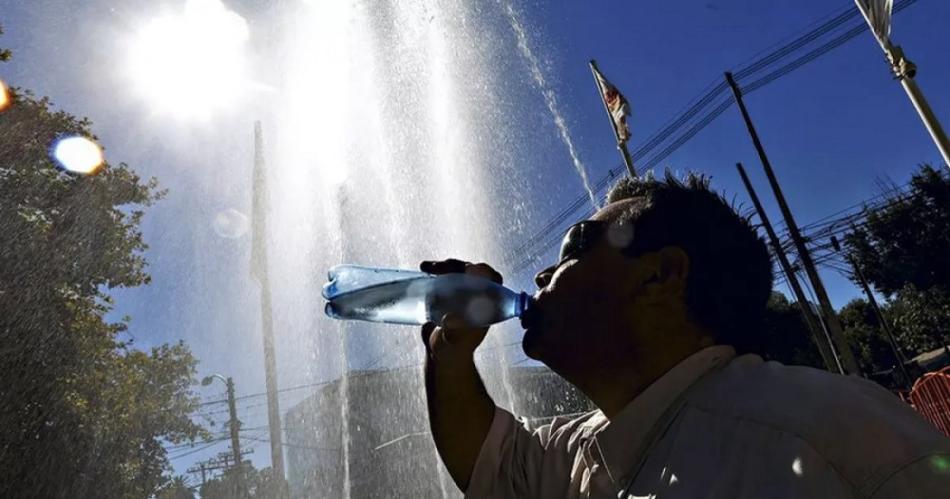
{"x": 666, "y": 268}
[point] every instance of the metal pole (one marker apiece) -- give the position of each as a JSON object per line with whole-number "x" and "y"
{"x": 824, "y": 344}
{"x": 891, "y": 340}
{"x": 621, "y": 145}
{"x": 844, "y": 350}
{"x": 905, "y": 71}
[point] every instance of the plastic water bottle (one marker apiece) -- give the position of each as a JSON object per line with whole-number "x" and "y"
{"x": 408, "y": 297}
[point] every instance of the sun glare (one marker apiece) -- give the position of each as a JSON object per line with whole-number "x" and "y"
{"x": 78, "y": 155}
{"x": 190, "y": 63}
{"x": 5, "y": 99}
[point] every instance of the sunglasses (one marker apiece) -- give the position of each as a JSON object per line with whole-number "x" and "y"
{"x": 580, "y": 238}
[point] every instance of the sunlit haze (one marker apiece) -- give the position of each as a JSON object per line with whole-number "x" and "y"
{"x": 191, "y": 62}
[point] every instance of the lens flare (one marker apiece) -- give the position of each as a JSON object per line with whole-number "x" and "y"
{"x": 78, "y": 154}
{"x": 5, "y": 98}
{"x": 230, "y": 224}
{"x": 191, "y": 63}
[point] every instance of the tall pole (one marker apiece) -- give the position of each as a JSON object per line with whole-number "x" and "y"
{"x": 891, "y": 340}
{"x": 824, "y": 343}
{"x": 234, "y": 426}
{"x": 259, "y": 270}
{"x": 905, "y": 71}
{"x": 621, "y": 144}
{"x": 837, "y": 333}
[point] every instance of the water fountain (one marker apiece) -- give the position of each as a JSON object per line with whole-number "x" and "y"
{"x": 380, "y": 145}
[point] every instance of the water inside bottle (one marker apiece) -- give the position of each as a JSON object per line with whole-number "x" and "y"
{"x": 417, "y": 298}
{"x": 388, "y": 302}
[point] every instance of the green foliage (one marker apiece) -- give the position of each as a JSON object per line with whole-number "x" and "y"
{"x": 921, "y": 318}
{"x": 904, "y": 251}
{"x": 177, "y": 488}
{"x": 786, "y": 337}
{"x": 866, "y": 337}
{"x": 5, "y": 54}
{"x": 82, "y": 413}
{"x": 258, "y": 484}
{"x": 907, "y": 241}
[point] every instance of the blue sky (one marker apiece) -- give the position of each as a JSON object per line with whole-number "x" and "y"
{"x": 831, "y": 128}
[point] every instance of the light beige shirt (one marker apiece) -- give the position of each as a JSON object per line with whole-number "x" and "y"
{"x": 722, "y": 426}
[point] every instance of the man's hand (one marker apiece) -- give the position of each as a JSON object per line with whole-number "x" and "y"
{"x": 460, "y": 410}
{"x": 453, "y": 339}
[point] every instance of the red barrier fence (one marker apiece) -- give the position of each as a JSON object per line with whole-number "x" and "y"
{"x": 930, "y": 396}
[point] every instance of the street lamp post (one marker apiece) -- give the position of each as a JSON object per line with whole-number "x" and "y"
{"x": 233, "y": 426}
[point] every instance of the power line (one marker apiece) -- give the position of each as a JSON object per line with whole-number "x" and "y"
{"x": 261, "y": 394}
{"x": 847, "y": 220}
{"x": 296, "y": 446}
{"x": 699, "y": 103}
{"x": 199, "y": 449}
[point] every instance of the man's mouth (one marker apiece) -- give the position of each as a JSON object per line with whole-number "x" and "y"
{"x": 532, "y": 316}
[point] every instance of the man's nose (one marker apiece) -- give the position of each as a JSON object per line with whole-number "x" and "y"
{"x": 541, "y": 279}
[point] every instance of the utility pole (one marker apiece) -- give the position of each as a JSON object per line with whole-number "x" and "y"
{"x": 831, "y": 319}
{"x": 234, "y": 426}
{"x": 259, "y": 271}
{"x": 904, "y": 71}
{"x": 824, "y": 343}
{"x": 223, "y": 461}
{"x": 891, "y": 340}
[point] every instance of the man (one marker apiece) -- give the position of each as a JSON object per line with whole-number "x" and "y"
{"x": 652, "y": 311}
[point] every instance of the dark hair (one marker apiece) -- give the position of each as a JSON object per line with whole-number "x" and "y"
{"x": 730, "y": 269}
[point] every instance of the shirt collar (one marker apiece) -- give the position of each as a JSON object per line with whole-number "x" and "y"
{"x": 620, "y": 439}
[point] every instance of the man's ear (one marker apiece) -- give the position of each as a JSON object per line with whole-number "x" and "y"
{"x": 664, "y": 270}
{"x": 674, "y": 264}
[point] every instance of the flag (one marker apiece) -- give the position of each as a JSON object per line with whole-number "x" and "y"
{"x": 879, "y": 16}
{"x": 616, "y": 104}
{"x": 258, "y": 220}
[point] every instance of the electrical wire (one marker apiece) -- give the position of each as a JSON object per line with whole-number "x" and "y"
{"x": 524, "y": 251}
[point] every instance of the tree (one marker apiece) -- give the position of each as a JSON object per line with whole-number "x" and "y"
{"x": 906, "y": 241}
{"x": 786, "y": 337}
{"x": 261, "y": 484}
{"x": 5, "y": 54}
{"x": 921, "y": 317}
{"x": 82, "y": 413}
{"x": 867, "y": 338}
{"x": 177, "y": 488}
{"x": 903, "y": 251}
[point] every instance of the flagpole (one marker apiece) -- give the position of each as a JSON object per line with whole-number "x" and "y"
{"x": 621, "y": 145}
{"x": 259, "y": 270}
{"x": 905, "y": 71}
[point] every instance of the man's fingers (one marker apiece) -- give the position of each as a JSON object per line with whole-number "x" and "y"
{"x": 454, "y": 266}
{"x": 484, "y": 270}
{"x": 427, "y": 330}
{"x": 452, "y": 335}
{"x": 454, "y": 321}
{"x": 450, "y": 266}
